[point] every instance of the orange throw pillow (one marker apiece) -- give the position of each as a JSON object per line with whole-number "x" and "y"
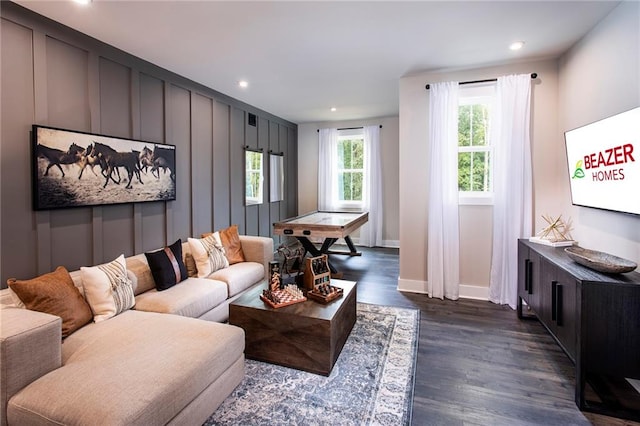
{"x": 55, "y": 294}
{"x": 231, "y": 243}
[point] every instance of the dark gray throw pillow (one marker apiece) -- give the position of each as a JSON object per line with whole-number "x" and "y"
{"x": 167, "y": 266}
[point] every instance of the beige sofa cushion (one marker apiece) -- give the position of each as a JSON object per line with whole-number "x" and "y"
{"x": 138, "y": 368}
{"x": 30, "y": 347}
{"x": 191, "y": 298}
{"x": 140, "y": 268}
{"x": 239, "y": 276}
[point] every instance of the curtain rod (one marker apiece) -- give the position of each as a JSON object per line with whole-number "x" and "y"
{"x": 533, "y": 75}
{"x": 350, "y": 128}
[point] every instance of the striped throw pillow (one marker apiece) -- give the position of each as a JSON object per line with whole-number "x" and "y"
{"x": 208, "y": 254}
{"x": 108, "y": 289}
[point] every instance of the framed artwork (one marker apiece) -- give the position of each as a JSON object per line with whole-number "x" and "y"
{"x": 75, "y": 169}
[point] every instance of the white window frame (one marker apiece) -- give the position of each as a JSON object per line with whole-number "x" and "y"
{"x": 348, "y": 134}
{"x": 473, "y": 95}
{"x": 258, "y": 199}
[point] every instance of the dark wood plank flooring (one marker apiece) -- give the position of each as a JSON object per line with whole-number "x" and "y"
{"x": 477, "y": 363}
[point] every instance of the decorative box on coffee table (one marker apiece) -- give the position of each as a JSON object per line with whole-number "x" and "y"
{"x": 307, "y": 336}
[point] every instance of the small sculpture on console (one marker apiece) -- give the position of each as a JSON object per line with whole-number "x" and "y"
{"x": 557, "y": 233}
{"x": 558, "y": 230}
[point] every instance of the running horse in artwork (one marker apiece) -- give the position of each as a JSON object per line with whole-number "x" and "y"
{"x": 110, "y": 160}
{"x": 56, "y": 157}
{"x": 87, "y": 158}
{"x": 159, "y": 158}
{"x": 164, "y": 158}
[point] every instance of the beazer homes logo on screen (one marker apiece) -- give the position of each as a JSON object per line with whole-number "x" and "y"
{"x": 605, "y": 165}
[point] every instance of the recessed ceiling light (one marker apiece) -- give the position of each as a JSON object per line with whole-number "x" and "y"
{"x": 243, "y": 83}
{"x": 334, "y": 109}
{"x": 516, "y": 45}
{"x": 82, "y": 1}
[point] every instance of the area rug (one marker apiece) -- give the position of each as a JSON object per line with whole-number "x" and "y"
{"x": 370, "y": 384}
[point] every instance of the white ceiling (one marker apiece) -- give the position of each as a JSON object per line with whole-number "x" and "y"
{"x": 301, "y": 58}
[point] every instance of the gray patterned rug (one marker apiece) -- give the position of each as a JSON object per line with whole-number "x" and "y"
{"x": 371, "y": 383}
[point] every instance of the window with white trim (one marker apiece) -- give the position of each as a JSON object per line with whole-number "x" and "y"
{"x": 253, "y": 177}
{"x": 350, "y": 168}
{"x": 475, "y": 153}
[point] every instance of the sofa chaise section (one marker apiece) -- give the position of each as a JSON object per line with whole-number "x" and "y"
{"x": 29, "y": 348}
{"x": 138, "y": 368}
{"x": 157, "y": 363}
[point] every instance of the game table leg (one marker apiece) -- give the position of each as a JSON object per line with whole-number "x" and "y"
{"x": 311, "y": 248}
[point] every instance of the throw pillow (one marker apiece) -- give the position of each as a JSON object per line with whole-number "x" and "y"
{"x": 167, "y": 266}
{"x": 54, "y": 293}
{"x": 190, "y": 264}
{"x": 231, "y": 243}
{"x": 208, "y": 255}
{"x": 108, "y": 289}
{"x": 216, "y": 235}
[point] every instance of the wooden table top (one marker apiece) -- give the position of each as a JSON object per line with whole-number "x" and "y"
{"x": 324, "y": 224}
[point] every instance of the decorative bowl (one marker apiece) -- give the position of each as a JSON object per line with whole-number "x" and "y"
{"x": 599, "y": 261}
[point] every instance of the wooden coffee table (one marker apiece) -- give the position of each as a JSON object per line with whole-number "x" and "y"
{"x": 307, "y": 336}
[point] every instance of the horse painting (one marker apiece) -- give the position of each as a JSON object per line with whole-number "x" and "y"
{"x": 112, "y": 161}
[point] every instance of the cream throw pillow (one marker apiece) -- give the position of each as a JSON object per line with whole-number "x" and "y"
{"x": 108, "y": 289}
{"x": 208, "y": 254}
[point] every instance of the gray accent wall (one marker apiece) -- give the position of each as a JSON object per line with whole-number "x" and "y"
{"x": 55, "y": 76}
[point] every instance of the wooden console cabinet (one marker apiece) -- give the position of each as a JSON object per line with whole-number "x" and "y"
{"x": 594, "y": 317}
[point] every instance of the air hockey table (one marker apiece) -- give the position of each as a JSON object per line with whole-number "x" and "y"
{"x": 328, "y": 225}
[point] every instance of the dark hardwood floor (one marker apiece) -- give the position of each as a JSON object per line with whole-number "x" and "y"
{"x": 477, "y": 363}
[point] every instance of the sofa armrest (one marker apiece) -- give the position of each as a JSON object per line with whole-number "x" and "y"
{"x": 257, "y": 249}
{"x": 30, "y": 347}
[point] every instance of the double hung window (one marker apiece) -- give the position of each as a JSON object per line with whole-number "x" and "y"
{"x": 475, "y": 152}
{"x": 253, "y": 177}
{"x": 350, "y": 169}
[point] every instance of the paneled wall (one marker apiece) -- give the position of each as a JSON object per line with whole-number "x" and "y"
{"x": 55, "y": 76}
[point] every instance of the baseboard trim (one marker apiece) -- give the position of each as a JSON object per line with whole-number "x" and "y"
{"x": 466, "y": 291}
{"x": 412, "y": 286}
{"x": 474, "y": 292}
{"x": 391, "y": 243}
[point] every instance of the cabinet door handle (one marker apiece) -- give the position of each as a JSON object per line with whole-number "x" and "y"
{"x": 527, "y": 262}
{"x": 529, "y": 278}
{"x": 559, "y": 304}
{"x": 554, "y": 300}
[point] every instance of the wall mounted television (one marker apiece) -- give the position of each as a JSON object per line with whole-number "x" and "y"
{"x": 603, "y": 160}
{"x": 75, "y": 169}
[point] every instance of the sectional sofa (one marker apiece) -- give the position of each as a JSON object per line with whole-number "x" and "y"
{"x": 167, "y": 360}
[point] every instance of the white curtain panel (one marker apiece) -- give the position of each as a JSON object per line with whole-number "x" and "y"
{"x": 371, "y": 232}
{"x": 512, "y": 210}
{"x": 327, "y": 179}
{"x": 443, "y": 257}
